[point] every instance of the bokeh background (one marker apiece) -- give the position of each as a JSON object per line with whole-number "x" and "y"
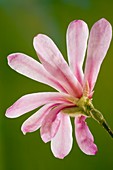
{"x": 20, "y": 21}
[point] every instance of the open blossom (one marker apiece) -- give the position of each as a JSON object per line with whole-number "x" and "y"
{"x": 75, "y": 87}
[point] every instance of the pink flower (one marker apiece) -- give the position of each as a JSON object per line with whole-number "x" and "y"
{"x": 75, "y": 88}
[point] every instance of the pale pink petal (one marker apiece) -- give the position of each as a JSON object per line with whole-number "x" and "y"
{"x": 55, "y": 64}
{"x": 51, "y": 124}
{"x": 34, "y": 122}
{"x": 84, "y": 137}
{"x": 77, "y": 35}
{"x": 61, "y": 144}
{"x": 33, "y": 69}
{"x": 99, "y": 41}
{"x": 33, "y": 101}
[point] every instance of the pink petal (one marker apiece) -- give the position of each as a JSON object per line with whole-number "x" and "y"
{"x": 55, "y": 64}
{"x": 33, "y": 101}
{"x": 84, "y": 137}
{"x": 77, "y": 35}
{"x": 51, "y": 124}
{"x": 34, "y": 122}
{"x": 33, "y": 69}
{"x": 61, "y": 144}
{"x": 99, "y": 41}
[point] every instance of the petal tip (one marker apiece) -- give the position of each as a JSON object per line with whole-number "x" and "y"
{"x": 12, "y": 57}
{"x": 61, "y": 156}
{"x": 45, "y": 138}
{"x": 104, "y": 22}
{"x": 77, "y": 22}
{"x": 36, "y": 39}
{"x": 8, "y": 113}
{"x": 92, "y": 150}
{"x": 38, "y": 36}
{"x": 24, "y": 133}
{"x": 11, "y": 113}
{"x": 95, "y": 150}
{"x": 24, "y": 130}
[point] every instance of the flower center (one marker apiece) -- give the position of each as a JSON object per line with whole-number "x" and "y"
{"x": 82, "y": 107}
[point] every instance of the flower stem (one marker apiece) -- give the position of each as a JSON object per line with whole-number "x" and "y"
{"x": 97, "y": 115}
{"x": 106, "y": 127}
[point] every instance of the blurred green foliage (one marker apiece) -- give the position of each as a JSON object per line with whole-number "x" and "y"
{"x": 20, "y": 21}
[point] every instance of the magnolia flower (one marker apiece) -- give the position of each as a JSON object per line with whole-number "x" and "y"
{"x": 75, "y": 88}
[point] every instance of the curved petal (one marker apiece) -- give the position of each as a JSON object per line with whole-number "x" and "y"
{"x": 34, "y": 122}
{"x": 31, "y": 68}
{"x": 33, "y": 101}
{"x": 99, "y": 41}
{"x": 84, "y": 137}
{"x": 55, "y": 64}
{"x": 61, "y": 144}
{"x": 51, "y": 124}
{"x": 77, "y": 35}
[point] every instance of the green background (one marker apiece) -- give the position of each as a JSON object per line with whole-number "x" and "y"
{"x": 20, "y": 21}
